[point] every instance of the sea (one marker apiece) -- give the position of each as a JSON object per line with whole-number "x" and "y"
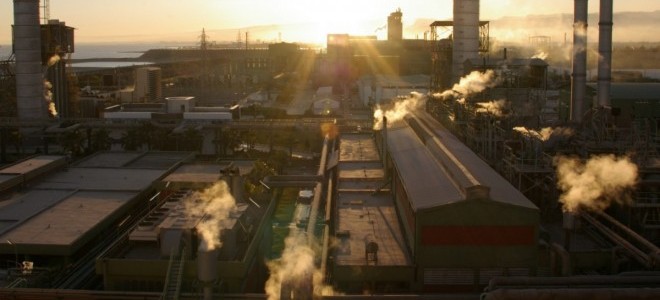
{"x": 109, "y": 51}
{"x": 134, "y": 50}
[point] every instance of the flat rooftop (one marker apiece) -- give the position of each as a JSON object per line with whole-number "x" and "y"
{"x": 365, "y": 170}
{"x": 358, "y": 147}
{"x": 67, "y": 208}
{"x": 367, "y": 217}
{"x": 30, "y": 165}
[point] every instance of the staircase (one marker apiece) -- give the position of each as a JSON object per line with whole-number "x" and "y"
{"x": 172, "y": 287}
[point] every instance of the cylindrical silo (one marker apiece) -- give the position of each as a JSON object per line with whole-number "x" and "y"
{"x": 466, "y": 35}
{"x": 27, "y": 49}
{"x": 579, "y": 81}
{"x": 605, "y": 52}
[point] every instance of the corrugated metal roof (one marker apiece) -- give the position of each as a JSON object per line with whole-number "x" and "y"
{"x": 425, "y": 181}
{"x": 428, "y": 183}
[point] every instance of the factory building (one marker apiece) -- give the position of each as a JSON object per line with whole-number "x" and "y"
{"x": 165, "y": 250}
{"x": 148, "y": 86}
{"x": 56, "y": 211}
{"x": 419, "y": 211}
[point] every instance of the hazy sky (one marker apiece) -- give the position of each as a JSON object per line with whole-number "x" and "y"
{"x": 158, "y": 20}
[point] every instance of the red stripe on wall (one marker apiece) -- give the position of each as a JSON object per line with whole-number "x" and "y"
{"x": 477, "y": 235}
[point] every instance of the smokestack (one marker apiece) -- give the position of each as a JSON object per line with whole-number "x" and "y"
{"x": 30, "y": 99}
{"x": 207, "y": 268}
{"x": 385, "y": 144}
{"x": 605, "y": 53}
{"x": 579, "y": 82}
{"x": 466, "y": 35}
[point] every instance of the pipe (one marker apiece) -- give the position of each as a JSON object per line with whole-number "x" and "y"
{"x": 573, "y": 282}
{"x": 565, "y": 259}
{"x": 584, "y": 294}
{"x": 605, "y": 53}
{"x": 30, "y": 100}
{"x": 579, "y": 81}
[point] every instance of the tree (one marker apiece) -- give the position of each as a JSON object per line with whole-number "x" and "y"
{"x": 71, "y": 141}
{"x": 100, "y": 140}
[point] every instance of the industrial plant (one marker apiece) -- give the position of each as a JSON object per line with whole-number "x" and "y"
{"x": 449, "y": 166}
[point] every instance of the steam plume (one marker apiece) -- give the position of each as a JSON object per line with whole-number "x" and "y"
{"x": 596, "y": 184}
{"x": 53, "y": 60}
{"x": 545, "y": 133}
{"x": 215, "y": 204}
{"x": 400, "y": 109}
{"x": 48, "y": 96}
{"x": 474, "y": 82}
{"x": 295, "y": 271}
{"x": 541, "y": 55}
{"x": 495, "y": 108}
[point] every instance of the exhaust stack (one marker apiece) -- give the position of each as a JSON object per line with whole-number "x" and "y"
{"x": 30, "y": 99}
{"x": 605, "y": 53}
{"x": 579, "y": 81}
{"x": 466, "y": 35}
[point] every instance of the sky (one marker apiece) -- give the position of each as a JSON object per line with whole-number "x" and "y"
{"x": 170, "y": 20}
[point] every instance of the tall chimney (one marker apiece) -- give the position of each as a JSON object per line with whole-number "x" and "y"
{"x": 605, "y": 53}
{"x": 579, "y": 82}
{"x": 466, "y": 35}
{"x": 30, "y": 99}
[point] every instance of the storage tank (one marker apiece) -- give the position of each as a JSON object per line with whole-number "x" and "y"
{"x": 466, "y": 35}
{"x": 30, "y": 99}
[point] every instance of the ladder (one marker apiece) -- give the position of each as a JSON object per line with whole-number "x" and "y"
{"x": 174, "y": 278}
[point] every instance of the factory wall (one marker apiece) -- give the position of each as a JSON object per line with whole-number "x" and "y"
{"x": 474, "y": 234}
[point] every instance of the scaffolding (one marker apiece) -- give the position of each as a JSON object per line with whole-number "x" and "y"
{"x": 441, "y": 51}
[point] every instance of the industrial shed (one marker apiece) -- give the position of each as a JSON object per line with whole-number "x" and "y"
{"x": 464, "y": 223}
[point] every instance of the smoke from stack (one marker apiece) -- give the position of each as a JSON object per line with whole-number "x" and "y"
{"x": 545, "y": 133}
{"x": 215, "y": 204}
{"x": 295, "y": 271}
{"x": 399, "y": 110}
{"x": 595, "y": 184}
{"x": 540, "y": 55}
{"x": 472, "y": 83}
{"x": 495, "y": 108}
{"x": 48, "y": 97}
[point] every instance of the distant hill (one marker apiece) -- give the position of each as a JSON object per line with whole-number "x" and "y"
{"x": 628, "y": 27}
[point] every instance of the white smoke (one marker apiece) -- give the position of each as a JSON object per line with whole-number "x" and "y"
{"x": 295, "y": 271}
{"x": 215, "y": 204}
{"x": 399, "y": 110}
{"x": 545, "y": 133}
{"x": 594, "y": 184}
{"x": 495, "y": 108}
{"x": 53, "y": 60}
{"x": 472, "y": 83}
{"x": 48, "y": 96}
{"x": 540, "y": 55}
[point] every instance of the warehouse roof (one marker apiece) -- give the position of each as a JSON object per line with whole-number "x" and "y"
{"x": 357, "y": 147}
{"x": 30, "y": 164}
{"x": 433, "y": 180}
{"x": 66, "y": 209}
{"x": 364, "y": 217}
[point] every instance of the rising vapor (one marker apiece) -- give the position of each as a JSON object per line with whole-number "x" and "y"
{"x": 215, "y": 204}
{"x": 495, "y": 108}
{"x": 399, "y": 110}
{"x": 545, "y": 133}
{"x": 474, "y": 82}
{"x": 594, "y": 184}
{"x": 295, "y": 271}
{"x": 48, "y": 96}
